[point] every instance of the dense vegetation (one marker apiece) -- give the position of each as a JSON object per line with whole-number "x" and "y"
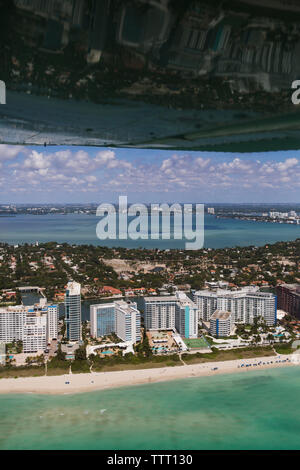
{"x": 216, "y": 355}
{"x": 26, "y": 265}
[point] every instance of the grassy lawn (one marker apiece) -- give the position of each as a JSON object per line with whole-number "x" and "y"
{"x": 284, "y": 348}
{"x": 230, "y": 355}
{"x": 22, "y": 372}
{"x": 56, "y": 371}
{"x": 145, "y": 365}
{"x": 80, "y": 367}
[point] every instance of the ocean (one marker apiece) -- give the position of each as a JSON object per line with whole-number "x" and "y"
{"x": 81, "y": 229}
{"x": 251, "y": 410}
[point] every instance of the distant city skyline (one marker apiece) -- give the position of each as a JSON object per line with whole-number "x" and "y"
{"x": 66, "y": 174}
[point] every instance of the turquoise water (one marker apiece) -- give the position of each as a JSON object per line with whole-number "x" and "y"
{"x": 250, "y": 410}
{"x": 81, "y": 229}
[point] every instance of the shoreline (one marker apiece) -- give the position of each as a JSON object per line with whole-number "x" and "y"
{"x": 96, "y": 381}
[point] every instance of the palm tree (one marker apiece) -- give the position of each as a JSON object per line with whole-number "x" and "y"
{"x": 270, "y": 338}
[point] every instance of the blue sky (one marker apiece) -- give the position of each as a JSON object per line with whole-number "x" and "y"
{"x": 32, "y": 174}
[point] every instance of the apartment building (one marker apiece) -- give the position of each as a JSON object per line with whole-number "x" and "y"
{"x": 128, "y": 321}
{"x": 245, "y": 304}
{"x": 186, "y": 316}
{"x": 289, "y": 299}
{"x": 120, "y": 317}
{"x": 170, "y": 312}
{"x": 35, "y": 326}
{"x": 52, "y": 322}
{"x": 221, "y": 324}
{"x": 102, "y": 319}
{"x": 73, "y": 311}
{"x": 159, "y": 312}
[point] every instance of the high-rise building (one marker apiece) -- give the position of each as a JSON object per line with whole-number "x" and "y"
{"x": 49, "y": 22}
{"x": 34, "y": 326}
{"x": 245, "y": 304}
{"x": 170, "y": 312}
{"x": 102, "y": 319}
{"x": 118, "y": 317}
{"x": 159, "y": 312}
{"x": 12, "y": 320}
{"x": 98, "y": 29}
{"x": 289, "y": 299}
{"x": 206, "y": 302}
{"x": 128, "y": 321}
{"x": 52, "y": 322}
{"x": 69, "y": 10}
{"x": 73, "y": 311}
{"x": 221, "y": 323}
{"x": 35, "y": 331}
{"x": 186, "y": 316}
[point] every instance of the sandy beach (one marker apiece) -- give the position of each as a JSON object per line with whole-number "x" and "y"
{"x": 80, "y": 383}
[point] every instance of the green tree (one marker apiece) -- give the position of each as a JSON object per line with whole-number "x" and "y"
{"x": 19, "y": 346}
{"x": 80, "y": 354}
{"x": 60, "y": 355}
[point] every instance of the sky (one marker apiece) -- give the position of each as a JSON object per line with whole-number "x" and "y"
{"x": 33, "y": 174}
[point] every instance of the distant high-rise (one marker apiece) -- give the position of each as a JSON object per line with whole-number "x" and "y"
{"x": 73, "y": 311}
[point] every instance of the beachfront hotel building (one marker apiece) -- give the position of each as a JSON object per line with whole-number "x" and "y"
{"x": 35, "y": 331}
{"x": 52, "y": 322}
{"x": 120, "y": 317}
{"x": 31, "y": 325}
{"x": 289, "y": 299}
{"x": 186, "y": 316}
{"x": 73, "y": 311}
{"x": 206, "y": 302}
{"x": 172, "y": 312}
{"x": 102, "y": 319}
{"x": 245, "y": 304}
{"x": 12, "y": 321}
{"x": 159, "y": 312}
{"x": 221, "y": 324}
{"x": 128, "y": 321}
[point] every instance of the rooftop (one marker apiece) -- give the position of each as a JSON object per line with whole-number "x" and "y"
{"x": 73, "y": 288}
{"x": 161, "y": 298}
{"x": 293, "y": 287}
{"x": 220, "y": 315}
{"x": 126, "y": 307}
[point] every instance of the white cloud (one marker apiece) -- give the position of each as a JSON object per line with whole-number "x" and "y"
{"x": 287, "y": 164}
{"x": 9, "y": 152}
{"x": 74, "y": 170}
